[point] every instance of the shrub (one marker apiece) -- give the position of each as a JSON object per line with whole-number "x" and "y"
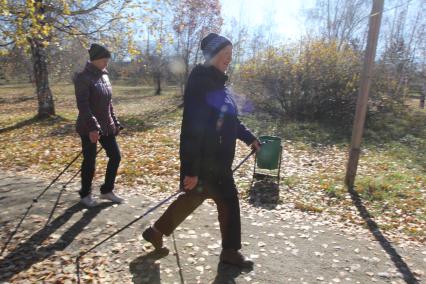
{"x": 316, "y": 81}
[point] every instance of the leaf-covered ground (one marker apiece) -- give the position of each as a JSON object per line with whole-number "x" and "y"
{"x": 287, "y": 245}
{"x": 391, "y": 178}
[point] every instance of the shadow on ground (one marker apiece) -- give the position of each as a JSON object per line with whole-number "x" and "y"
{"x": 20, "y": 124}
{"x": 145, "y": 270}
{"x": 399, "y": 263}
{"x": 146, "y": 121}
{"x": 226, "y": 274}
{"x": 48, "y": 121}
{"x": 33, "y": 250}
{"x": 264, "y": 192}
{"x": 18, "y": 98}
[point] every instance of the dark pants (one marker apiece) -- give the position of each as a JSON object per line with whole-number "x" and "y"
{"x": 226, "y": 199}
{"x": 89, "y": 161}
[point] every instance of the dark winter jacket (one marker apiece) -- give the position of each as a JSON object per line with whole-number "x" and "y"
{"x": 93, "y": 93}
{"x": 210, "y": 126}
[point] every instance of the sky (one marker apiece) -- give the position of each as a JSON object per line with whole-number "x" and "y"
{"x": 284, "y": 15}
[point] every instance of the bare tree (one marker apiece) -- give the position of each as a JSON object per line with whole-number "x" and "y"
{"x": 404, "y": 36}
{"x": 192, "y": 20}
{"x": 339, "y": 20}
{"x": 239, "y": 35}
{"x": 158, "y": 37}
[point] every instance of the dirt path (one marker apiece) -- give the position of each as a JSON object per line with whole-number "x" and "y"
{"x": 287, "y": 245}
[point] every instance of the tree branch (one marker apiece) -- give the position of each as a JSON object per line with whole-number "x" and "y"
{"x": 103, "y": 27}
{"x": 7, "y": 44}
{"x": 77, "y": 12}
{"x": 89, "y": 10}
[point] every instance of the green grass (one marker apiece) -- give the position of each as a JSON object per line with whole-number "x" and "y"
{"x": 291, "y": 181}
{"x": 333, "y": 187}
{"x": 306, "y": 207}
{"x": 391, "y": 177}
{"x": 310, "y": 133}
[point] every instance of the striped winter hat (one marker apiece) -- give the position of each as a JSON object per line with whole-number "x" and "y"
{"x": 212, "y": 44}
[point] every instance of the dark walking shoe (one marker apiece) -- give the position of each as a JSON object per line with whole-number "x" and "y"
{"x": 234, "y": 257}
{"x": 155, "y": 238}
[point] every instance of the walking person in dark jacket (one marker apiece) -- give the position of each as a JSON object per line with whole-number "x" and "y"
{"x": 97, "y": 122}
{"x": 210, "y": 128}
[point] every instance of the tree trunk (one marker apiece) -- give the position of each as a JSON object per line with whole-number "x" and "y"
{"x": 186, "y": 58}
{"x": 2, "y": 74}
{"x": 158, "y": 81}
{"x": 423, "y": 96}
{"x": 44, "y": 95}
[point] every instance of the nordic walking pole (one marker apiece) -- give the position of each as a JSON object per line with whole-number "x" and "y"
{"x": 64, "y": 170}
{"x": 63, "y": 188}
{"x": 248, "y": 156}
{"x": 131, "y": 223}
{"x": 152, "y": 210}
{"x": 71, "y": 179}
{"x": 55, "y": 179}
{"x": 244, "y": 160}
{"x": 35, "y": 200}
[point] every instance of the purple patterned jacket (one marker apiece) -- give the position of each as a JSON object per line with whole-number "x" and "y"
{"x": 93, "y": 93}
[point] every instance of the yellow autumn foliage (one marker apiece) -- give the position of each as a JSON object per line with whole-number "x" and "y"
{"x": 314, "y": 80}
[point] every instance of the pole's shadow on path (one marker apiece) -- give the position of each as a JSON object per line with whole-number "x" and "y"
{"x": 32, "y": 251}
{"x": 386, "y": 245}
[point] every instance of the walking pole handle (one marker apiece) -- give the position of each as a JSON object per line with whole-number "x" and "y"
{"x": 253, "y": 151}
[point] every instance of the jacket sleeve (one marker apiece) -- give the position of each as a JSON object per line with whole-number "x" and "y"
{"x": 82, "y": 94}
{"x": 114, "y": 118}
{"x": 196, "y": 114}
{"x": 244, "y": 134}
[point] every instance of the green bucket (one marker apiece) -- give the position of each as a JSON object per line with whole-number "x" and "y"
{"x": 269, "y": 155}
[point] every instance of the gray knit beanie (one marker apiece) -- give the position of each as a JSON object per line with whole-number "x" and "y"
{"x": 212, "y": 44}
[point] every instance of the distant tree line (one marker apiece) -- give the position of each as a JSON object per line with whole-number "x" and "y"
{"x": 157, "y": 43}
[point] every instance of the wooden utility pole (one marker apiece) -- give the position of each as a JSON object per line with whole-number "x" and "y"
{"x": 423, "y": 88}
{"x": 361, "y": 107}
